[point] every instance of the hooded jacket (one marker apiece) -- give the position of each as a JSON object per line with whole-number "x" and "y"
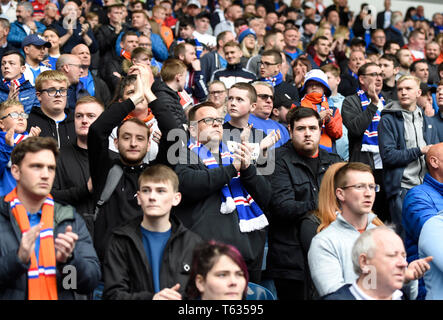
{"x": 127, "y": 272}
{"x": 63, "y": 131}
{"x": 403, "y": 164}
{"x": 233, "y": 73}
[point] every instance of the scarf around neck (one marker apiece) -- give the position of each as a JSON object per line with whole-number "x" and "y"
{"x": 42, "y": 280}
{"x": 233, "y": 195}
{"x": 274, "y": 81}
{"x": 370, "y": 137}
{"x": 17, "y": 82}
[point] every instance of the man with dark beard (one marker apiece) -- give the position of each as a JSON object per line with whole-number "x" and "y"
{"x": 132, "y": 143}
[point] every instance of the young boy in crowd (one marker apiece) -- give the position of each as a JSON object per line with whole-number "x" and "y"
{"x": 315, "y": 93}
{"x": 13, "y": 122}
{"x": 336, "y": 100}
{"x": 150, "y": 257}
{"x": 242, "y": 100}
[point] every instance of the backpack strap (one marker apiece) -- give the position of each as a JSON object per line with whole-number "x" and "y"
{"x": 112, "y": 180}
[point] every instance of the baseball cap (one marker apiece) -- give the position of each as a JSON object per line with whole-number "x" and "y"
{"x": 36, "y": 40}
{"x": 194, "y": 3}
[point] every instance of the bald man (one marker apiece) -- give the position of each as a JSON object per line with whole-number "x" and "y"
{"x": 422, "y": 203}
{"x": 95, "y": 86}
{"x": 71, "y": 66}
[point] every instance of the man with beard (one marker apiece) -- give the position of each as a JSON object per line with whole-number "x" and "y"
{"x": 132, "y": 143}
{"x": 405, "y": 59}
{"x": 389, "y": 68}
{"x": 432, "y": 52}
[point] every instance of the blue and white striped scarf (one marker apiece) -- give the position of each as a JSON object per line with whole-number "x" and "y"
{"x": 274, "y": 81}
{"x": 370, "y": 137}
{"x": 234, "y": 196}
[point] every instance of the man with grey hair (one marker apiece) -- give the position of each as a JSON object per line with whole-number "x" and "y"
{"x": 71, "y": 65}
{"x": 379, "y": 260}
{"x": 395, "y": 31}
{"x": 5, "y": 46}
{"x": 24, "y": 25}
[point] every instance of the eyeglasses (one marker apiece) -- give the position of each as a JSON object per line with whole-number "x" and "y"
{"x": 53, "y": 91}
{"x": 75, "y": 65}
{"x": 213, "y": 93}
{"x": 210, "y": 121}
{"x": 363, "y": 187}
{"x": 373, "y": 74}
{"x": 265, "y": 96}
{"x": 15, "y": 115}
{"x": 266, "y": 64}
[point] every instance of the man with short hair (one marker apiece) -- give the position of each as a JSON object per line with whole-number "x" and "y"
{"x": 210, "y": 178}
{"x": 53, "y": 117}
{"x": 24, "y": 25}
{"x": 391, "y": 47}
{"x": 322, "y": 56}
{"x": 258, "y": 24}
{"x": 132, "y": 143}
{"x": 215, "y": 60}
{"x": 92, "y": 83}
{"x": 14, "y": 84}
{"x": 272, "y": 40}
{"x": 4, "y": 31}
{"x": 271, "y": 72}
{"x": 300, "y": 159}
{"x": 416, "y": 44}
{"x": 378, "y": 258}
{"x": 330, "y": 253}
{"x": 378, "y": 40}
{"x": 40, "y": 237}
{"x": 292, "y": 44}
{"x": 234, "y": 72}
{"x": 35, "y": 47}
{"x": 70, "y": 65}
{"x": 186, "y": 29}
{"x": 349, "y": 80}
{"x": 111, "y": 70}
{"x": 361, "y": 113}
{"x": 309, "y": 28}
{"x": 432, "y": 52}
{"x": 232, "y": 13}
{"x": 72, "y": 184}
{"x": 420, "y": 69}
{"x": 395, "y": 31}
{"x": 405, "y": 59}
{"x": 405, "y": 136}
{"x": 389, "y": 66}
{"x": 201, "y": 30}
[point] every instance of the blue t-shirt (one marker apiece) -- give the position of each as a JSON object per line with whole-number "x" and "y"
{"x": 52, "y": 61}
{"x": 223, "y": 62}
{"x": 154, "y": 244}
{"x": 34, "y": 219}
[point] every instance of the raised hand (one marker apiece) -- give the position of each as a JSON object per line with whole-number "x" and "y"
{"x": 168, "y": 293}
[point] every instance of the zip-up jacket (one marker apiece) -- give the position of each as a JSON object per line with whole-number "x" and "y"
{"x": 393, "y": 150}
{"x": 63, "y": 131}
{"x": 233, "y": 73}
{"x": 127, "y": 272}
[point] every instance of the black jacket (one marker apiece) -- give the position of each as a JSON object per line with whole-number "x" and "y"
{"x": 122, "y": 205}
{"x": 13, "y": 273}
{"x": 394, "y": 35}
{"x": 71, "y": 178}
{"x": 348, "y": 84}
{"x": 63, "y": 132}
{"x": 357, "y": 121}
{"x": 112, "y": 65}
{"x": 106, "y": 38}
{"x": 200, "y": 208}
{"x": 294, "y": 193}
{"x": 127, "y": 272}
{"x": 389, "y": 92}
{"x": 102, "y": 92}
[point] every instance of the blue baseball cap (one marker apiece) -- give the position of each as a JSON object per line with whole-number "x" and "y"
{"x": 36, "y": 40}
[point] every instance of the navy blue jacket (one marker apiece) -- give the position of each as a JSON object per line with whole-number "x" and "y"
{"x": 26, "y": 95}
{"x": 393, "y": 151}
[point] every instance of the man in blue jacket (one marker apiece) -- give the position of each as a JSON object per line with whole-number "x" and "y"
{"x": 423, "y": 202}
{"x": 25, "y": 25}
{"x": 405, "y": 135}
{"x": 14, "y": 84}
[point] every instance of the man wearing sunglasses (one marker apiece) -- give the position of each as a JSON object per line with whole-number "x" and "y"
{"x": 53, "y": 118}
{"x": 71, "y": 66}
